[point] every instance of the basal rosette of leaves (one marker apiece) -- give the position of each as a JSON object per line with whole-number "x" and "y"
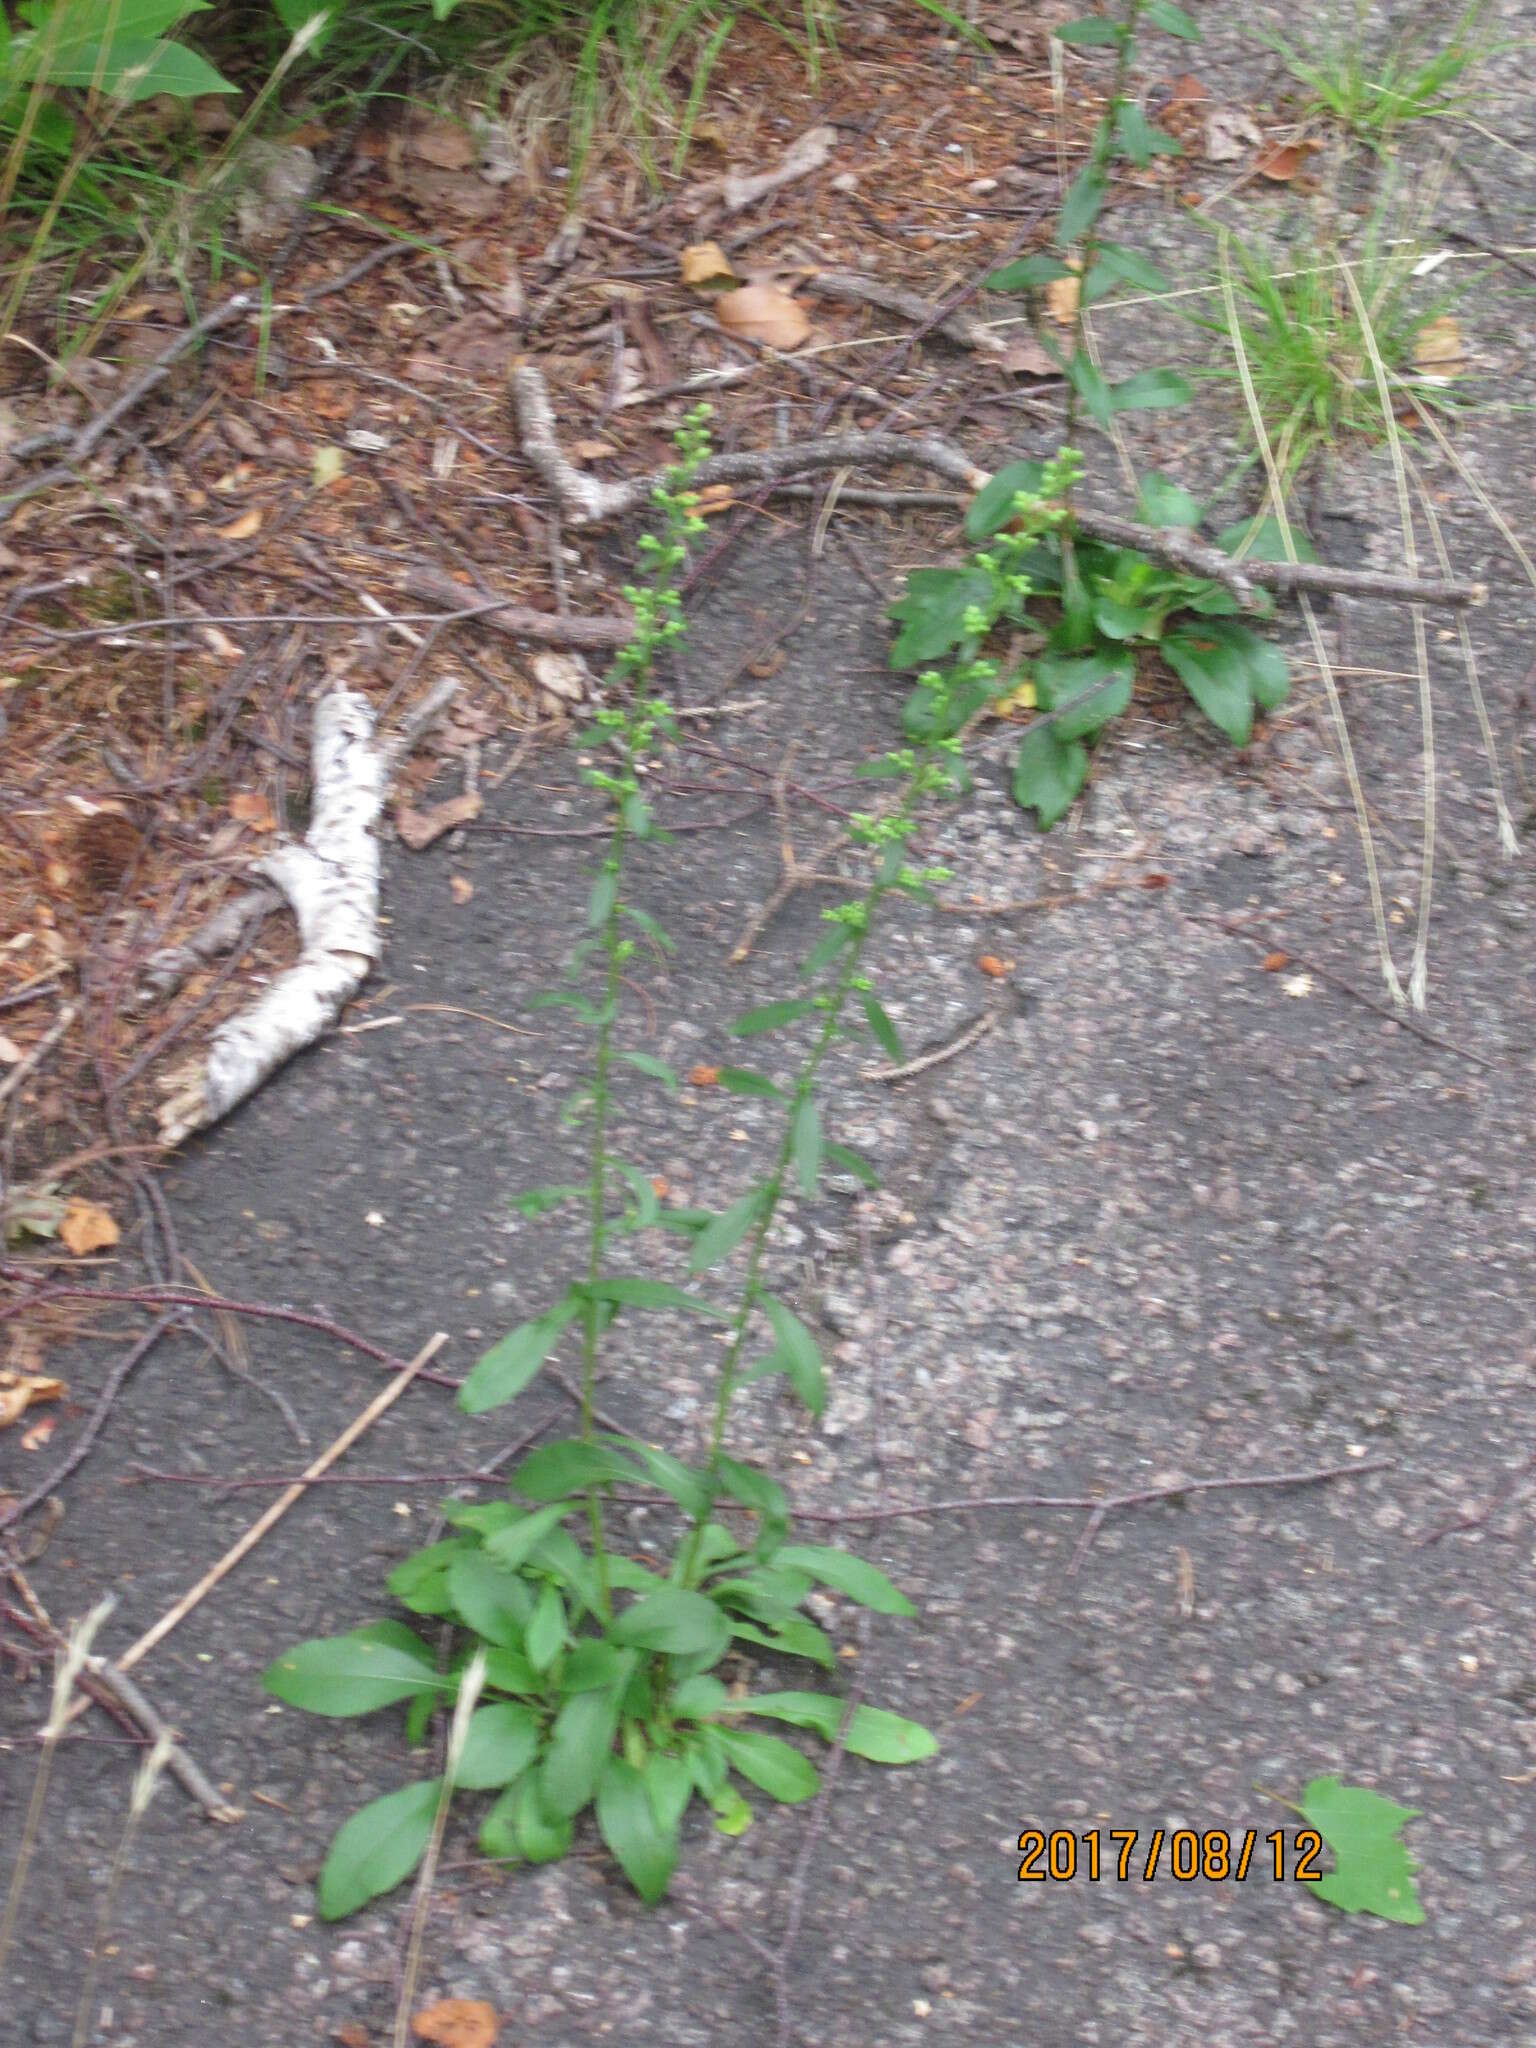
{"x": 624, "y": 1715}
{"x": 1095, "y": 608}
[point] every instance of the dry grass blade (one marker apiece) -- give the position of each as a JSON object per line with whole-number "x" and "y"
{"x": 1319, "y": 649}
{"x": 464, "y": 1706}
{"x": 1418, "y": 976}
{"x": 1507, "y": 839}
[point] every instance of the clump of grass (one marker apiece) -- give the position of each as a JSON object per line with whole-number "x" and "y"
{"x": 1374, "y": 93}
{"x": 1309, "y": 353}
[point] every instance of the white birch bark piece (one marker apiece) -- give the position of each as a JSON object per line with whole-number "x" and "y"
{"x": 332, "y": 882}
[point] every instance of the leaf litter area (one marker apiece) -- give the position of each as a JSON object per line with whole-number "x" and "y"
{"x": 204, "y": 516}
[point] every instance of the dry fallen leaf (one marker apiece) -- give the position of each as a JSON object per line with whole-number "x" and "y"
{"x": 703, "y": 1077}
{"x": 565, "y": 677}
{"x": 21, "y": 1391}
{"x": 761, "y": 312}
{"x": 86, "y": 1228}
{"x": 458, "y": 2023}
{"x": 989, "y": 963}
{"x": 10, "y": 1051}
{"x": 34, "y": 1438}
{"x": 246, "y": 527}
{"x": 1274, "y": 962}
{"x": 1026, "y": 358}
{"x": 250, "y": 807}
{"x": 1438, "y": 346}
{"x": 1061, "y": 297}
{"x": 461, "y": 888}
{"x": 1022, "y": 697}
{"x": 447, "y": 145}
{"x": 705, "y": 264}
{"x": 418, "y": 829}
{"x": 1282, "y": 164}
{"x": 1230, "y": 133}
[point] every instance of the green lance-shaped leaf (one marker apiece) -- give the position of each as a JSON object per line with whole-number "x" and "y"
{"x": 626, "y": 1819}
{"x": 377, "y": 1848}
{"x": 341, "y": 1676}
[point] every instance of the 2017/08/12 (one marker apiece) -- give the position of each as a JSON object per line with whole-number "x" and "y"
{"x": 1191, "y": 1855}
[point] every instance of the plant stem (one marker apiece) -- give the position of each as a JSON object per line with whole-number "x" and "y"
{"x": 598, "y": 1194}
{"x": 773, "y": 1188}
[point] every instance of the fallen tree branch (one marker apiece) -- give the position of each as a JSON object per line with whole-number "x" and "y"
{"x": 584, "y": 499}
{"x": 332, "y": 881}
{"x": 1179, "y": 549}
{"x": 959, "y": 328}
{"x": 518, "y": 621}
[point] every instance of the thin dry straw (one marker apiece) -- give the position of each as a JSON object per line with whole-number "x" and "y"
{"x": 1418, "y": 977}
{"x": 1507, "y": 839}
{"x": 458, "y": 1734}
{"x": 145, "y": 1781}
{"x": 66, "y": 1670}
{"x": 1320, "y": 651}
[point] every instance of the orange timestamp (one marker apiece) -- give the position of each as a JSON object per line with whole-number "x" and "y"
{"x": 1187, "y": 1855}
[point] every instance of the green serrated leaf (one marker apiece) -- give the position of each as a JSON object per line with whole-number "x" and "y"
{"x": 503, "y": 1372}
{"x": 772, "y": 1016}
{"x": 678, "y": 1622}
{"x": 626, "y": 1819}
{"x": 502, "y": 1742}
{"x": 992, "y": 506}
{"x": 1091, "y": 31}
{"x": 377, "y": 1848}
{"x": 1081, "y": 207}
{"x": 1048, "y": 773}
{"x": 884, "y": 1030}
{"x": 1374, "y": 1870}
{"x": 341, "y": 1676}
{"x": 1163, "y": 503}
{"x": 1150, "y": 391}
{"x": 805, "y": 1143}
{"x": 658, "y": 1070}
{"x": 1172, "y": 20}
{"x": 771, "y": 1764}
{"x": 744, "y": 1081}
{"x": 490, "y": 1598}
{"x": 1025, "y": 274}
{"x": 724, "y": 1232}
{"x": 556, "y": 1471}
{"x": 854, "y": 1577}
{"x": 873, "y": 1733}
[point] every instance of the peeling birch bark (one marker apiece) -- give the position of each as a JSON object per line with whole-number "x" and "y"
{"x": 332, "y": 882}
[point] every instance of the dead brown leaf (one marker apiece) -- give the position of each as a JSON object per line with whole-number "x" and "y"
{"x": 87, "y": 1228}
{"x": 1061, "y": 297}
{"x": 1026, "y": 358}
{"x": 458, "y": 2023}
{"x": 1285, "y": 162}
{"x": 1438, "y": 346}
{"x": 419, "y": 829}
{"x": 1230, "y": 133}
{"x": 21, "y": 1391}
{"x": 705, "y": 265}
{"x": 446, "y": 145}
{"x": 460, "y": 888}
{"x": 762, "y": 312}
{"x": 250, "y": 807}
{"x": 246, "y": 527}
{"x": 703, "y": 1077}
{"x": 1273, "y": 962}
{"x": 990, "y": 964}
